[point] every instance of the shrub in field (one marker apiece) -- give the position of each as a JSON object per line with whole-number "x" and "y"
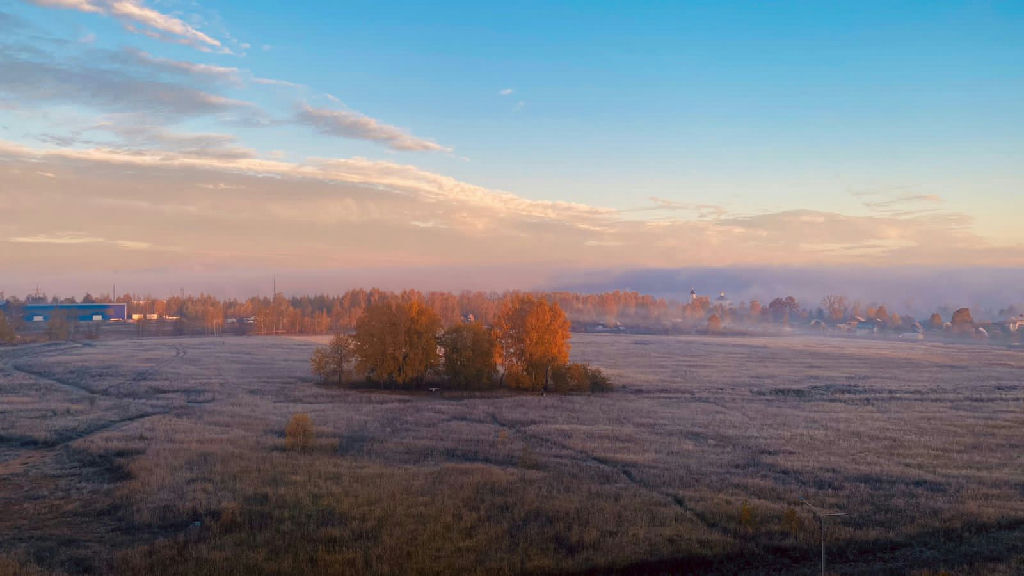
{"x": 598, "y": 380}
{"x": 577, "y": 377}
{"x": 299, "y": 433}
{"x": 747, "y": 520}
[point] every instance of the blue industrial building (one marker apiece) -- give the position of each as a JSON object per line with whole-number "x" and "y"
{"x": 97, "y": 312}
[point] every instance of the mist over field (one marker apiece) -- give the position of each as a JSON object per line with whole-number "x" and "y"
{"x": 917, "y": 291}
{"x": 909, "y": 290}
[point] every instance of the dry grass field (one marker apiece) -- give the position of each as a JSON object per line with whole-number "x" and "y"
{"x": 168, "y": 456}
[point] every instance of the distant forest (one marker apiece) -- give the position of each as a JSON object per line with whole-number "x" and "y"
{"x": 607, "y": 311}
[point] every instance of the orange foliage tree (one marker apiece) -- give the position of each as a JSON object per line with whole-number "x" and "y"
{"x": 533, "y": 337}
{"x": 396, "y": 340}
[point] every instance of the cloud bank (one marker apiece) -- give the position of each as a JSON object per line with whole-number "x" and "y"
{"x": 204, "y": 212}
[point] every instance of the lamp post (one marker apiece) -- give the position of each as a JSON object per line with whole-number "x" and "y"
{"x": 822, "y": 514}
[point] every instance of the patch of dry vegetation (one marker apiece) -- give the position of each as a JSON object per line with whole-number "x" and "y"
{"x": 171, "y": 457}
{"x": 299, "y": 433}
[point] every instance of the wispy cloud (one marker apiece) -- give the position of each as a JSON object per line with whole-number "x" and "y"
{"x": 276, "y": 82}
{"x": 72, "y": 238}
{"x": 505, "y": 91}
{"x": 180, "y": 67}
{"x": 904, "y": 201}
{"x": 37, "y": 81}
{"x": 133, "y": 13}
{"x": 702, "y": 211}
{"x": 349, "y": 124}
{"x": 136, "y": 132}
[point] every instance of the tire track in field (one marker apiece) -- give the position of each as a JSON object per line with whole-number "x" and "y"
{"x": 40, "y": 449}
{"x": 623, "y": 471}
{"x": 60, "y": 383}
{"x": 119, "y": 391}
{"x": 148, "y": 373}
{"x": 44, "y": 449}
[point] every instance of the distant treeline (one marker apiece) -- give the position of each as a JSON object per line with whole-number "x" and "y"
{"x": 608, "y": 311}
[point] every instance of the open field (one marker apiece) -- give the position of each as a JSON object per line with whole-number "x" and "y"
{"x": 167, "y": 456}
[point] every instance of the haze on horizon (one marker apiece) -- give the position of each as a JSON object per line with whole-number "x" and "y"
{"x": 168, "y": 142}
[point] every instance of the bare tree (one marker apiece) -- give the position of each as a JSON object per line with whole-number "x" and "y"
{"x": 836, "y": 307}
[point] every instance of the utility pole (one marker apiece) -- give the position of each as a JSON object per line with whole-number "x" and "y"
{"x": 821, "y": 515}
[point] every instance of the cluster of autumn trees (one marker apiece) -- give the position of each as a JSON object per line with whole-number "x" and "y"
{"x": 404, "y": 343}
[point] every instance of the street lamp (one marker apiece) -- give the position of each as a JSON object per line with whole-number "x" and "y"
{"x": 822, "y": 514}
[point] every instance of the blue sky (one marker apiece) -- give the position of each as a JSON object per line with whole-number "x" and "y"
{"x": 587, "y": 133}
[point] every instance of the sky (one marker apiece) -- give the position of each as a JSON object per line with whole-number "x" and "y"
{"x": 496, "y": 145}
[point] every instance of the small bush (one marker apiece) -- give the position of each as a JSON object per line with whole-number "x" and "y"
{"x": 747, "y": 520}
{"x": 577, "y": 377}
{"x": 599, "y": 381}
{"x": 299, "y": 433}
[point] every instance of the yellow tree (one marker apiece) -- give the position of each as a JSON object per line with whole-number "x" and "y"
{"x": 533, "y": 336}
{"x": 396, "y": 341}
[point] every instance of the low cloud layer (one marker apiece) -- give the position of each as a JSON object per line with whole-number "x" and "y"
{"x": 208, "y": 214}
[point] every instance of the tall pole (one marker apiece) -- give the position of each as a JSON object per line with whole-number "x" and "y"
{"x": 822, "y": 520}
{"x": 821, "y": 515}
